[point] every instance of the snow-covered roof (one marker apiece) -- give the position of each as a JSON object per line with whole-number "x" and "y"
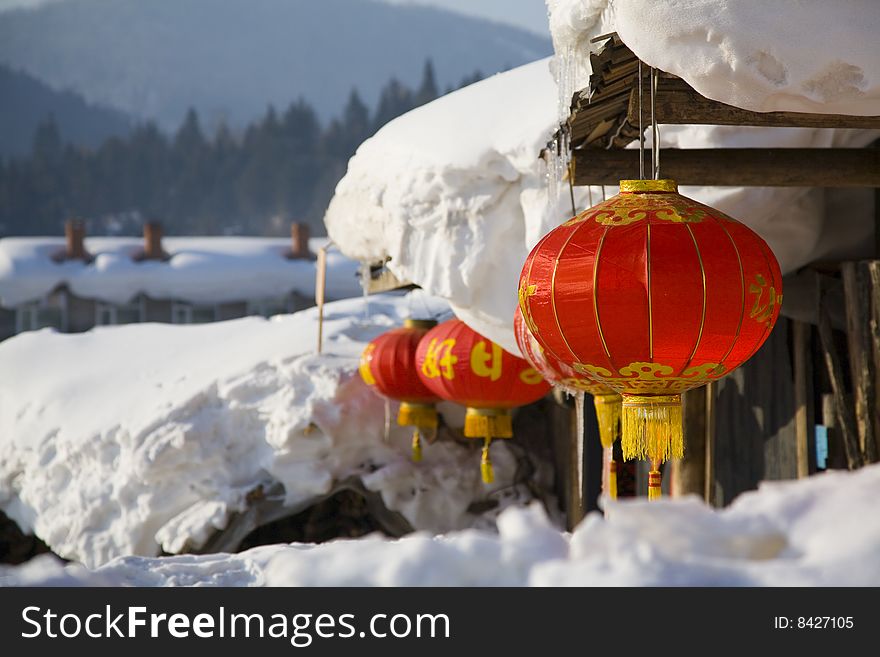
{"x": 128, "y": 440}
{"x": 820, "y": 531}
{"x": 200, "y": 270}
{"x": 786, "y": 55}
{"x": 455, "y": 194}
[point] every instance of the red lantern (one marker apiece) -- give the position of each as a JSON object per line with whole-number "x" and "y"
{"x": 389, "y": 364}
{"x": 458, "y": 364}
{"x": 652, "y": 294}
{"x": 605, "y": 400}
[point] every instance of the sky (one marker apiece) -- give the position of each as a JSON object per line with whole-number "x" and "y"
{"x": 527, "y": 14}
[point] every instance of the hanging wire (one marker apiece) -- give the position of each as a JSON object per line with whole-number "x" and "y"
{"x": 603, "y": 193}
{"x": 641, "y": 129}
{"x": 655, "y": 134}
{"x": 571, "y": 187}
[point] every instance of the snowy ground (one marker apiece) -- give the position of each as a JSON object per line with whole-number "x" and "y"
{"x": 822, "y": 531}
{"x": 135, "y": 439}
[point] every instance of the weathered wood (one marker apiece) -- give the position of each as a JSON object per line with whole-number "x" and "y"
{"x": 842, "y": 402}
{"x": 709, "y": 493}
{"x": 754, "y": 420}
{"x": 873, "y": 268}
{"x": 688, "y": 475}
{"x": 679, "y": 103}
{"x": 804, "y": 418}
{"x": 857, "y": 293}
{"x": 762, "y": 167}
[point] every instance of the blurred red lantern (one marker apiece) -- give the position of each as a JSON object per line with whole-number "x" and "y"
{"x": 458, "y": 364}
{"x": 606, "y": 402}
{"x": 652, "y": 294}
{"x": 389, "y": 364}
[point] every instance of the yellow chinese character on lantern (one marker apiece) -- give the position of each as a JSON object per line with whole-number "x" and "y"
{"x": 439, "y": 360}
{"x": 530, "y": 376}
{"x": 364, "y": 368}
{"x": 485, "y": 364}
{"x": 762, "y": 310}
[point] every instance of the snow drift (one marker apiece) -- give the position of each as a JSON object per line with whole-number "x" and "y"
{"x": 821, "y": 531}
{"x": 135, "y": 439}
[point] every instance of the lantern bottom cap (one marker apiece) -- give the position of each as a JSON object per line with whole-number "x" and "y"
{"x": 651, "y": 427}
{"x": 488, "y": 423}
{"x": 423, "y": 416}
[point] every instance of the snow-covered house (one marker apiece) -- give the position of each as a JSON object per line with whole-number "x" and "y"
{"x": 76, "y": 283}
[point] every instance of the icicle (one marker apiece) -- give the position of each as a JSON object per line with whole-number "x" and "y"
{"x": 364, "y": 272}
{"x": 387, "y": 431}
{"x": 579, "y": 413}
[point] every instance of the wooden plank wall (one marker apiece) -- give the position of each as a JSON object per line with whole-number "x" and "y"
{"x": 755, "y": 420}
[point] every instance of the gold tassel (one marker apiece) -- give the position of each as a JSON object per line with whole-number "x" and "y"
{"x": 654, "y": 482}
{"x": 486, "y": 469}
{"x": 416, "y": 447}
{"x": 488, "y": 422}
{"x": 608, "y": 416}
{"x": 612, "y": 476}
{"x": 423, "y": 416}
{"x": 651, "y": 427}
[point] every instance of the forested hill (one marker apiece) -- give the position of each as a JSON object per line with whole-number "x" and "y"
{"x": 199, "y": 180}
{"x": 229, "y": 59}
{"x": 27, "y": 101}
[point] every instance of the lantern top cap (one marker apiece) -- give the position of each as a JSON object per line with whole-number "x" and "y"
{"x": 642, "y": 186}
{"x": 419, "y": 323}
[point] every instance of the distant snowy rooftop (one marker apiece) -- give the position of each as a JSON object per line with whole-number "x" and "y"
{"x": 202, "y": 270}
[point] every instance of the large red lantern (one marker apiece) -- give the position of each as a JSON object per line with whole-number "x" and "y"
{"x": 652, "y": 294}
{"x": 458, "y": 364}
{"x": 605, "y": 400}
{"x": 389, "y": 364}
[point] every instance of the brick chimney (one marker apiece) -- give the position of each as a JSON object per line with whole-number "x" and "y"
{"x": 74, "y": 247}
{"x": 75, "y": 236}
{"x": 153, "y": 242}
{"x": 299, "y": 241}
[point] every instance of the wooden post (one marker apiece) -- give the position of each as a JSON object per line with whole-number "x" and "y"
{"x": 873, "y": 268}
{"x": 709, "y": 477}
{"x": 688, "y": 475}
{"x": 320, "y": 285}
{"x": 857, "y": 293}
{"x": 844, "y": 411}
{"x": 804, "y": 418}
{"x": 576, "y": 507}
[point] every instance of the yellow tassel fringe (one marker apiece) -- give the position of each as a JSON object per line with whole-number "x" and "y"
{"x": 486, "y": 470}
{"x": 608, "y": 416}
{"x": 416, "y": 447}
{"x": 423, "y": 416}
{"x": 612, "y": 478}
{"x": 651, "y": 427}
{"x": 491, "y": 423}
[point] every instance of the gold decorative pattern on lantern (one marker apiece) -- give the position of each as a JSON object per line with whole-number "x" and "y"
{"x": 652, "y": 377}
{"x": 631, "y": 208}
{"x": 763, "y": 308}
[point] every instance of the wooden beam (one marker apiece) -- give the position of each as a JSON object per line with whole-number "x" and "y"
{"x": 747, "y": 167}
{"x": 678, "y": 103}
